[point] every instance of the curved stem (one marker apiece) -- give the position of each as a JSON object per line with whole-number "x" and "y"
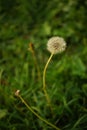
{"x": 44, "y": 72}
{"x": 50, "y": 124}
{"x": 44, "y": 82}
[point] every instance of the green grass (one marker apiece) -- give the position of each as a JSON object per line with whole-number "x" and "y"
{"x": 24, "y": 22}
{"x": 66, "y": 81}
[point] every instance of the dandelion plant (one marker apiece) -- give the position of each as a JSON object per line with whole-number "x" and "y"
{"x": 54, "y": 45}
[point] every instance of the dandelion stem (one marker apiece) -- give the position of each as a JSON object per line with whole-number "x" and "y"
{"x": 32, "y": 49}
{"x": 44, "y": 79}
{"x": 38, "y": 116}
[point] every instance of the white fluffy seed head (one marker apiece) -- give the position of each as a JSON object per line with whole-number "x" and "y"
{"x": 56, "y": 45}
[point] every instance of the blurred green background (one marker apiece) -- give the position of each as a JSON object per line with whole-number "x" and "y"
{"x": 34, "y": 21}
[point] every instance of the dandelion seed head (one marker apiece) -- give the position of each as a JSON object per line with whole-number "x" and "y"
{"x": 56, "y": 45}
